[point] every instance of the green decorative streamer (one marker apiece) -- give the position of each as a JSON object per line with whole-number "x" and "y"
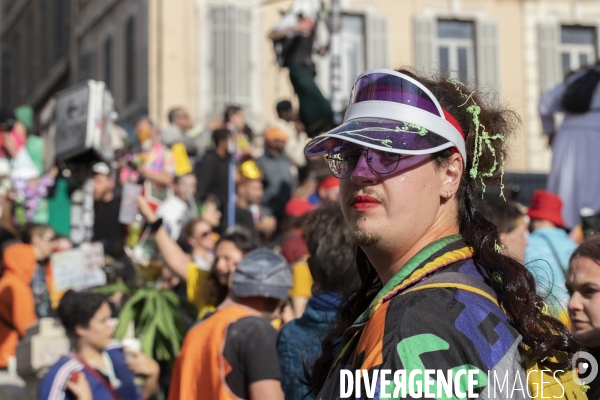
{"x": 543, "y": 308}
{"x": 499, "y": 247}
{"x": 482, "y": 139}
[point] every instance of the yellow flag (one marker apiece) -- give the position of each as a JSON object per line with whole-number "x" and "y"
{"x": 182, "y": 162}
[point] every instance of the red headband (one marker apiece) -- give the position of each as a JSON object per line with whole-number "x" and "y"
{"x": 454, "y": 122}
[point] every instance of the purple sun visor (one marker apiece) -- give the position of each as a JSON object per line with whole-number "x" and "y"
{"x": 392, "y": 112}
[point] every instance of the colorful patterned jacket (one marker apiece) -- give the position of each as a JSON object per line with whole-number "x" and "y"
{"x": 438, "y": 329}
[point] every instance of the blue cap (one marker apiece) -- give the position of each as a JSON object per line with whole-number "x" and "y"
{"x": 262, "y": 273}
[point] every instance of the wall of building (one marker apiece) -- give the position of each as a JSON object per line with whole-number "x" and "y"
{"x": 173, "y": 57}
{"x": 97, "y": 21}
{"x": 34, "y": 38}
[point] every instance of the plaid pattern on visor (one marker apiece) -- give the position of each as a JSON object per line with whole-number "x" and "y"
{"x": 392, "y": 112}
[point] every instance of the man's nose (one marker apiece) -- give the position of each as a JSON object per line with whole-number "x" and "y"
{"x": 363, "y": 175}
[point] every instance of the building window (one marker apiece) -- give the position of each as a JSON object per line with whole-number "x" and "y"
{"x": 353, "y": 51}
{"x": 577, "y": 47}
{"x": 129, "y": 61}
{"x": 456, "y": 49}
{"x": 231, "y": 56}
{"x": 108, "y": 62}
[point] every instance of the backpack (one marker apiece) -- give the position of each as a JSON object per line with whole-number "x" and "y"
{"x": 578, "y": 95}
{"x": 560, "y": 387}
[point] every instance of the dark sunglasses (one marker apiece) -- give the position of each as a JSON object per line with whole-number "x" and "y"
{"x": 343, "y": 159}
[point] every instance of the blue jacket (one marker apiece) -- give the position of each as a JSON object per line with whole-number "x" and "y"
{"x": 547, "y": 258}
{"x": 299, "y": 342}
{"x": 53, "y": 385}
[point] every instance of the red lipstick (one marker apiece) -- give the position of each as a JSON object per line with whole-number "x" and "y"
{"x": 365, "y": 202}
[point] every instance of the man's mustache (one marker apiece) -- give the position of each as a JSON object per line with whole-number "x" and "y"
{"x": 367, "y": 191}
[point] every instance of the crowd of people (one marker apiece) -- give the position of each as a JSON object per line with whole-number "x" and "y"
{"x": 365, "y": 250}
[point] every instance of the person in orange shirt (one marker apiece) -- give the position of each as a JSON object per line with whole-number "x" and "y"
{"x": 232, "y": 353}
{"x": 26, "y": 289}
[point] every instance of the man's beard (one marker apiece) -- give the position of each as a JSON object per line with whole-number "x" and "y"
{"x": 366, "y": 239}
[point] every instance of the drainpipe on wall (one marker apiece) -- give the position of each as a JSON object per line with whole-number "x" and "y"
{"x": 335, "y": 50}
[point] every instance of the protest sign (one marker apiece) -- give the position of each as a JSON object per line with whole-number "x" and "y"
{"x": 129, "y": 196}
{"x": 79, "y": 268}
{"x": 84, "y": 121}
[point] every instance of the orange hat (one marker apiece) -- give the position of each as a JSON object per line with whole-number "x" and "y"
{"x": 276, "y": 133}
{"x": 546, "y": 206}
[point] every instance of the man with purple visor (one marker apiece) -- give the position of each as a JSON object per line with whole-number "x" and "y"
{"x": 437, "y": 293}
{"x": 393, "y": 113}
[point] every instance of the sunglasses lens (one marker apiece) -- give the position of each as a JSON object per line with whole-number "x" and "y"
{"x": 342, "y": 160}
{"x": 383, "y": 162}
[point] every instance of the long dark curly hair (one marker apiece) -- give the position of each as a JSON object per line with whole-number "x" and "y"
{"x": 513, "y": 284}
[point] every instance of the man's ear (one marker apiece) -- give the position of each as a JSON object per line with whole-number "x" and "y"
{"x": 451, "y": 174}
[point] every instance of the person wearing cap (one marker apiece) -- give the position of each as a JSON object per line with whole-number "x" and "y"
{"x": 107, "y": 203}
{"x": 436, "y": 290}
{"x": 248, "y": 208}
{"x": 328, "y": 189}
{"x": 276, "y": 168}
{"x": 232, "y": 353}
{"x": 549, "y": 250}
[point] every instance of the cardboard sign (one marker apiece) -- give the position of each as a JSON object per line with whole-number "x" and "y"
{"x": 84, "y": 120}
{"x": 79, "y": 268}
{"x": 181, "y": 160}
{"x": 129, "y": 196}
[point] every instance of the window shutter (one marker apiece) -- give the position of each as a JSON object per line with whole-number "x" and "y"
{"x": 424, "y": 36}
{"x": 219, "y": 22}
{"x": 230, "y": 52}
{"x": 377, "y": 41}
{"x": 548, "y": 40}
{"x": 241, "y": 58}
{"x": 486, "y": 53}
